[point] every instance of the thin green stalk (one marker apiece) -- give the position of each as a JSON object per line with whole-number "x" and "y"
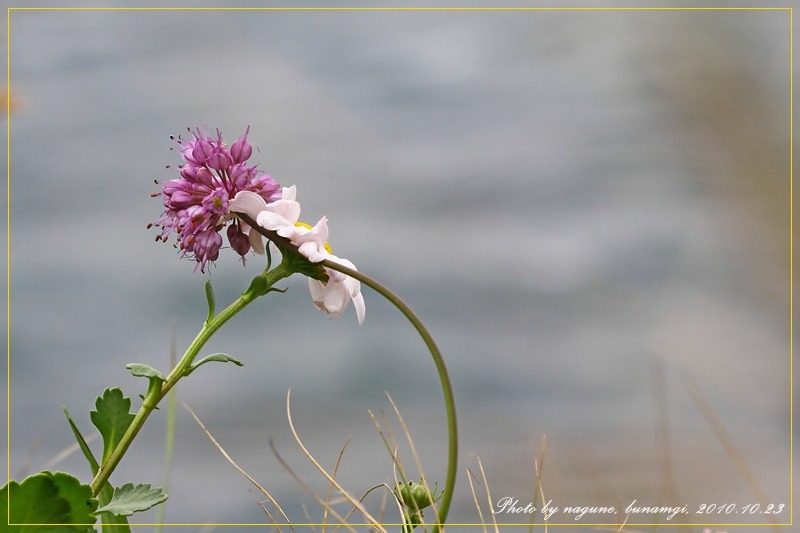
{"x": 447, "y": 388}
{"x": 444, "y": 378}
{"x": 154, "y": 396}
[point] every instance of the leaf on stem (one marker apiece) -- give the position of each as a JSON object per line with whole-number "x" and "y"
{"x": 145, "y": 371}
{"x": 45, "y": 499}
{"x": 217, "y": 357}
{"x": 129, "y": 499}
{"x": 106, "y": 492}
{"x": 82, "y": 443}
{"x": 112, "y": 418}
{"x": 211, "y": 301}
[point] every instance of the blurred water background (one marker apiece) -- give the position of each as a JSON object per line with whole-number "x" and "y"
{"x": 581, "y": 205}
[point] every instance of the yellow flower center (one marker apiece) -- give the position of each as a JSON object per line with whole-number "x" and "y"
{"x": 308, "y": 226}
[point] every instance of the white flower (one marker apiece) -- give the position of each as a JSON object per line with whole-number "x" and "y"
{"x": 334, "y": 296}
{"x": 311, "y": 242}
{"x": 279, "y": 216}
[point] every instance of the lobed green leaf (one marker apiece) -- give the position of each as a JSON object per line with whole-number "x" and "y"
{"x": 112, "y": 418}
{"x": 129, "y": 499}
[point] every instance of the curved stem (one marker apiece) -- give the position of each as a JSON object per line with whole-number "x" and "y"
{"x": 152, "y": 399}
{"x": 447, "y": 388}
{"x": 444, "y": 378}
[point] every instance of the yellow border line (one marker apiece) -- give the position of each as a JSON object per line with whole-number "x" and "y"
{"x": 8, "y": 251}
{"x": 400, "y": 9}
{"x": 791, "y": 267}
{"x": 791, "y": 220}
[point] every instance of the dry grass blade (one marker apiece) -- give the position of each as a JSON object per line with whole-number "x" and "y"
{"x": 663, "y": 440}
{"x": 308, "y": 517}
{"x": 309, "y": 490}
{"x": 66, "y": 452}
{"x": 423, "y": 479}
{"x": 383, "y": 501}
{"x": 266, "y": 511}
{"x": 488, "y": 494}
{"x": 726, "y": 441}
{"x": 319, "y": 467}
{"x": 538, "y": 465}
{"x": 245, "y": 474}
{"x": 470, "y": 477}
{"x": 394, "y": 450}
{"x": 330, "y": 487}
{"x": 31, "y": 453}
{"x": 390, "y": 443}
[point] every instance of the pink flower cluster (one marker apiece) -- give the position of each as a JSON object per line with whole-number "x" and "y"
{"x": 196, "y": 204}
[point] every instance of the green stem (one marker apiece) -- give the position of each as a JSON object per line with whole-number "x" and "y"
{"x": 447, "y": 388}
{"x": 259, "y": 287}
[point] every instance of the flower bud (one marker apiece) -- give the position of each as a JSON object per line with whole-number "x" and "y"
{"x": 416, "y": 496}
{"x": 239, "y": 241}
{"x": 241, "y": 149}
{"x": 220, "y": 159}
{"x": 206, "y": 246}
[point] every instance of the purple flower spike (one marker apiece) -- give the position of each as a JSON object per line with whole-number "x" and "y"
{"x": 196, "y": 204}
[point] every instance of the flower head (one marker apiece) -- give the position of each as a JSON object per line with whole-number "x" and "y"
{"x": 281, "y": 216}
{"x": 334, "y": 296}
{"x": 197, "y": 203}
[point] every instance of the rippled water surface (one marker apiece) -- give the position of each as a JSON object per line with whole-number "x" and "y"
{"x": 582, "y": 206}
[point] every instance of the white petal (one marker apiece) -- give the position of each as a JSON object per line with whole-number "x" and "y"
{"x": 353, "y": 286}
{"x": 289, "y": 193}
{"x": 318, "y": 235}
{"x": 310, "y": 251}
{"x": 273, "y": 221}
{"x": 361, "y": 308}
{"x": 257, "y": 242}
{"x": 336, "y": 298}
{"x": 317, "y": 290}
{"x": 247, "y": 202}
{"x": 288, "y": 209}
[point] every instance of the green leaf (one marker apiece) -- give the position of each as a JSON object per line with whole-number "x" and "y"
{"x": 156, "y": 379}
{"x": 82, "y": 443}
{"x": 145, "y": 371}
{"x": 112, "y": 418}
{"x": 129, "y": 499}
{"x": 217, "y": 357}
{"x": 258, "y": 287}
{"x": 57, "y": 503}
{"x": 106, "y": 492}
{"x": 211, "y": 301}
